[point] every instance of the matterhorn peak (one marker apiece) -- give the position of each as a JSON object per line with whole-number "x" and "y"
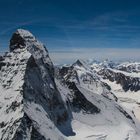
{"x": 24, "y": 33}
{"x": 20, "y": 38}
{"x": 28, "y": 88}
{"x": 23, "y": 39}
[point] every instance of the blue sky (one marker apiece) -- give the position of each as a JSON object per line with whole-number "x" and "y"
{"x": 74, "y": 29}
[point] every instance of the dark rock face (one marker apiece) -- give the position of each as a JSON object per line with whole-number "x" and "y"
{"x": 132, "y": 67}
{"x": 2, "y": 63}
{"x": 127, "y": 82}
{"x": 2, "y": 124}
{"x": 13, "y": 106}
{"x": 34, "y": 91}
{"x": 64, "y": 70}
{"x": 16, "y": 41}
{"x": 36, "y": 135}
{"x": 30, "y": 72}
{"x": 1, "y": 58}
{"x": 31, "y": 62}
{"x": 80, "y": 102}
{"x": 27, "y": 131}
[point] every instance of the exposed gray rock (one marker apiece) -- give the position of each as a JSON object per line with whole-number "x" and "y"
{"x": 127, "y": 82}
{"x": 29, "y": 63}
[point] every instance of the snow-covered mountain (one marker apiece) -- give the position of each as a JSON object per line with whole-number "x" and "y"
{"x": 30, "y": 105}
{"x": 95, "y": 87}
{"x": 129, "y": 67}
{"x": 76, "y": 102}
{"x": 124, "y": 81}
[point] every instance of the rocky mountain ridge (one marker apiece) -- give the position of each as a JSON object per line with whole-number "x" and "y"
{"x": 37, "y": 103}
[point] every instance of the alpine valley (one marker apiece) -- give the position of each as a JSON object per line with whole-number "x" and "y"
{"x": 82, "y": 101}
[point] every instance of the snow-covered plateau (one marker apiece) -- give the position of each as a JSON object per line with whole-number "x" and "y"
{"x": 81, "y": 101}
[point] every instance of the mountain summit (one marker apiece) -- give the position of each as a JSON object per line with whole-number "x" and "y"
{"x": 20, "y": 38}
{"x": 30, "y": 101}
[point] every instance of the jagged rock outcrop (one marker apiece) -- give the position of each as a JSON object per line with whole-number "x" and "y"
{"x": 87, "y": 95}
{"x": 81, "y": 74}
{"x": 27, "y": 89}
{"x": 129, "y": 67}
{"x": 127, "y": 82}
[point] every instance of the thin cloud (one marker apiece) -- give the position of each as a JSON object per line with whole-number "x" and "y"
{"x": 116, "y": 54}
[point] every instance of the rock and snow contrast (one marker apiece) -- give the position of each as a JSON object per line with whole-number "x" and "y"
{"x": 96, "y": 101}
{"x": 30, "y": 104}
